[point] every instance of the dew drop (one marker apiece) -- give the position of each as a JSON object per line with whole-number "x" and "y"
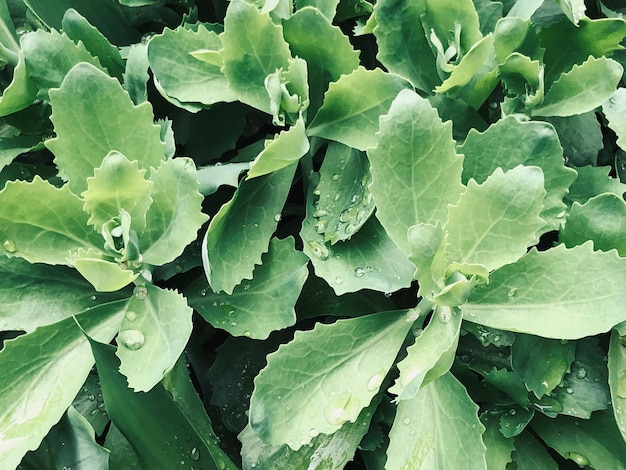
{"x": 246, "y": 286}
{"x": 513, "y": 412}
{"x": 388, "y": 294}
{"x": 578, "y": 459}
{"x": 343, "y": 409}
{"x": 93, "y": 298}
{"x": 203, "y": 292}
{"x": 444, "y": 314}
{"x": 131, "y": 339}
{"x": 319, "y": 250}
{"x": 320, "y": 213}
{"x": 581, "y": 373}
{"x": 140, "y": 292}
{"x": 232, "y": 323}
{"x": 317, "y": 192}
{"x": 512, "y": 291}
{"x": 496, "y": 339}
{"x": 351, "y": 229}
{"x": 335, "y": 177}
{"x": 406, "y": 421}
{"x": 569, "y": 390}
{"x": 9, "y": 246}
{"x": 360, "y": 272}
{"x": 220, "y": 464}
{"x": 314, "y": 432}
{"x": 131, "y": 316}
{"x": 375, "y": 380}
{"x": 321, "y": 226}
{"x": 247, "y": 333}
{"x": 339, "y": 280}
{"x": 194, "y": 454}
{"x": 278, "y": 217}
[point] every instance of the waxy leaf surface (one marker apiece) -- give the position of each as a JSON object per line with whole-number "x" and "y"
{"x": 617, "y": 380}
{"x": 613, "y": 110}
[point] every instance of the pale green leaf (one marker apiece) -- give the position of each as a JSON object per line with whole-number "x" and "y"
{"x": 328, "y": 8}
{"x": 253, "y": 49}
{"x": 262, "y": 305}
{"x": 8, "y": 35}
{"x": 325, "y": 48}
{"x": 210, "y": 178}
{"x": 601, "y": 219}
{"x": 240, "y": 232}
{"x": 530, "y": 454}
{"x": 541, "y": 363}
{"x": 117, "y": 184}
{"x": 175, "y": 216}
{"x": 181, "y": 75}
{"x": 581, "y": 137}
{"x": 613, "y": 109}
{"x": 20, "y": 93}
{"x": 438, "y": 428}
{"x": 430, "y": 356}
{"x": 28, "y": 289}
{"x": 79, "y": 29}
{"x": 573, "y": 9}
{"x": 594, "y": 442}
{"x": 494, "y": 223}
{"x": 514, "y": 419}
{"x": 11, "y": 147}
{"x": 509, "y": 143}
{"x": 104, "y": 274}
{"x": 43, "y": 372}
{"x": 499, "y": 448}
{"x": 402, "y": 42}
{"x": 416, "y": 171}
{"x": 352, "y": 106}
{"x": 617, "y": 380}
{"x": 136, "y": 73}
{"x": 428, "y": 253}
{"x": 153, "y": 333}
{"x": 284, "y": 149}
{"x": 488, "y": 14}
{"x": 97, "y": 107}
{"x": 167, "y": 136}
{"x": 303, "y": 391}
{"x": 524, "y": 9}
{"x": 49, "y": 56}
{"x": 344, "y": 202}
{"x": 574, "y": 285}
{"x": 48, "y": 227}
{"x": 288, "y": 91}
{"x": 581, "y": 89}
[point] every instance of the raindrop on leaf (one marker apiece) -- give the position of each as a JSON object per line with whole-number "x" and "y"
{"x": 131, "y": 339}
{"x": 9, "y": 246}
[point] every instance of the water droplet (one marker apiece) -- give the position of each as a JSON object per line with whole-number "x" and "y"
{"x": 545, "y": 385}
{"x": 581, "y": 373}
{"x": 351, "y": 229}
{"x": 140, "y": 292}
{"x": 355, "y": 198}
{"x": 91, "y": 397}
{"x": 496, "y": 339}
{"x": 220, "y": 464}
{"x": 406, "y": 421}
{"x": 203, "y": 292}
{"x": 232, "y": 323}
{"x": 388, "y": 294}
{"x": 9, "y": 246}
{"x": 246, "y": 286}
{"x": 444, "y": 314}
{"x": 339, "y": 280}
{"x": 317, "y": 192}
{"x": 321, "y": 226}
{"x": 512, "y": 291}
{"x": 569, "y": 390}
{"x": 278, "y": 217}
{"x": 131, "y": 316}
{"x": 375, "y": 380}
{"x": 131, "y": 339}
{"x": 346, "y": 216}
{"x": 513, "y": 412}
{"x": 343, "y": 409}
{"x": 247, "y": 333}
{"x": 578, "y": 459}
{"x": 360, "y": 272}
{"x": 319, "y": 250}
{"x": 335, "y": 177}
{"x": 314, "y": 432}
{"x": 320, "y": 213}
{"x": 560, "y": 215}
{"x": 93, "y": 298}
{"x": 194, "y": 454}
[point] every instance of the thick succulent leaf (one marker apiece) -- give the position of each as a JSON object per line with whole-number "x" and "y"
{"x": 613, "y": 109}
{"x": 96, "y": 106}
{"x": 11, "y": 147}
{"x": 327, "y": 51}
{"x": 153, "y": 334}
{"x": 416, "y": 171}
{"x": 20, "y": 93}
{"x": 28, "y": 289}
{"x": 43, "y": 372}
{"x": 493, "y": 223}
{"x": 8, "y": 34}
{"x": 344, "y": 202}
{"x": 580, "y": 136}
{"x": 601, "y": 219}
{"x": 488, "y": 15}
{"x": 153, "y": 421}
{"x": 283, "y": 150}
{"x": 212, "y": 177}
{"x": 594, "y": 442}
{"x": 403, "y": 46}
{"x": 303, "y": 391}
{"x": 559, "y": 293}
{"x": 509, "y": 143}
{"x": 430, "y": 356}
{"x": 121, "y": 453}
{"x": 50, "y": 56}
{"x": 253, "y": 49}
{"x": 42, "y": 223}
{"x": 530, "y": 454}
{"x": 136, "y": 73}
{"x": 175, "y": 216}
{"x": 240, "y": 232}
{"x": 499, "y": 448}
{"x": 573, "y": 9}
{"x": 438, "y": 428}
{"x": 262, "y": 305}
{"x": 617, "y": 379}
{"x": 581, "y": 89}
{"x": 328, "y": 8}
{"x": 428, "y": 253}
{"x": 79, "y": 29}
{"x": 593, "y": 181}
{"x": 181, "y": 75}
{"x": 104, "y": 274}
{"x": 541, "y": 363}
{"x": 352, "y": 106}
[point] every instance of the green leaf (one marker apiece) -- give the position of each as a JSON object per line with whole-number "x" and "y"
{"x": 46, "y": 229}
{"x": 121, "y": 454}
{"x": 240, "y": 232}
{"x": 136, "y": 73}
{"x": 11, "y": 147}
{"x": 613, "y": 109}
{"x": 325, "y": 48}
{"x": 580, "y": 136}
{"x": 529, "y": 454}
{"x": 572, "y": 284}
{"x": 513, "y": 420}
{"x": 89, "y": 403}
{"x": 79, "y": 29}
{"x": 27, "y": 290}
{"x": 541, "y": 362}
{"x": 438, "y": 428}
{"x": 430, "y": 356}
{"x": 525, "y": 9}
{"x": 288, "y": 91}
{"x": 20, "y": 93}
{"x": 499, "y": 448}
{"x": 70, "y": 443}
{"x": 573, "y": 9}
{"x": 617, "y": 379}
{"x": 153, "y": 333}
{"x": 117, "y": 184}
{"x": 96, "y": 104}
{"x": 104, "y": 274}
{"x": 328, "y": 8}
{"x": 212, "y": 177}
{"x": 352, "y": 106}
{"x": 601, "y": 219}
{"x": 152, "y": 420}
{"x": 283, "y": 150}
{"x": 344, "y": 202}
{"x": 488, "y": 15}
{"x": 264, "y": 304}
{"x": 8, "y": 35}
{"x": 43, "y": 372}
{"x": 50, "y": 56}
{"x": 581, "y": 89}
{"x": 493, "y": 223}
{"x": 509, "y": 143}
{"x": 303, "y": 391}
{"x": 181, "y": 75}
{"x": 175, "y": 216}
{"x": 253, "y": 49}
{"x": 403, "y": 47}
{"x": 594, "y": 442}
{"x": 428, "y": 253}
{"x": 593, "y": 181}
{"x": 416, "y": 172}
